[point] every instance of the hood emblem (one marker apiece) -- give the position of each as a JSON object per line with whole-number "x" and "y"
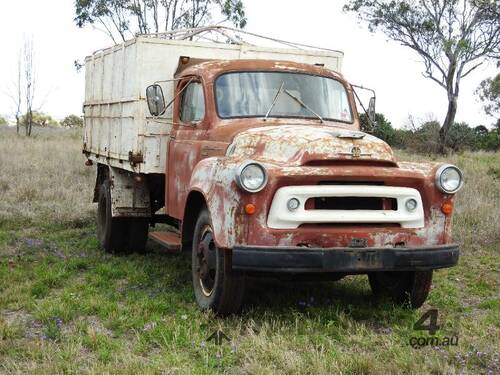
{"x": 355, "y": 152}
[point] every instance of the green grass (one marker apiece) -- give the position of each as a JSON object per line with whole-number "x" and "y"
{"x": 66, "y": 307}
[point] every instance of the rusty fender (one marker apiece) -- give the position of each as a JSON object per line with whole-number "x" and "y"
{"x": 214, "y": 178}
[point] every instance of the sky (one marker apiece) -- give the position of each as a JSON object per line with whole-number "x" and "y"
{"x": 371, "y": 60}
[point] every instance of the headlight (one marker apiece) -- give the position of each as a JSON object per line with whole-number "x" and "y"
{"x": 411, "y": 204}
{"x": 293, "y": 204}
{"x": 449, "y": 179}
{"x": 251, "y": 176}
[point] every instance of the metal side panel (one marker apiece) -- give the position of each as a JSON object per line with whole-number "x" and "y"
{"x": 129, "y": 197}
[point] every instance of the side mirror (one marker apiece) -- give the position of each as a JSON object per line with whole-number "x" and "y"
{"x": 371, "y": 110}
{"x": 155, "y": 99}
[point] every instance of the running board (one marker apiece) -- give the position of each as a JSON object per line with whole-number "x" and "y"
{"x": 170, "y": 240}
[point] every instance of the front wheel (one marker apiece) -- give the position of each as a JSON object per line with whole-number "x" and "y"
{"x": 402, "y": 287}
{"x": 216, "y": 286}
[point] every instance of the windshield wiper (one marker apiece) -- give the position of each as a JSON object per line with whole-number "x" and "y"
{"x": 280, "y": 90}
{"x": 304, "y": 105}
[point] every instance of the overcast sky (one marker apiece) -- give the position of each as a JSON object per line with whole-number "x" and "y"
{"x": 370, "y": 60}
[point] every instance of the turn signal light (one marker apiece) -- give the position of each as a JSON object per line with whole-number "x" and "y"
{"x": 447, "y": 208}
{"x": 250, "y": 209}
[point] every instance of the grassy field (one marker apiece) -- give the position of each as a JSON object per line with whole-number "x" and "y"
{"x": 66, "y": 307}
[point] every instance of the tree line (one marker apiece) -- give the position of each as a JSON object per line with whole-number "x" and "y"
{"x": 42, "y": 119}
{"x": 424, "y": 138}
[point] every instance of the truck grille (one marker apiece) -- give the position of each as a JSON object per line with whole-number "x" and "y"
{"x": 341, "y": 204}
{"x": 351, "y": 203}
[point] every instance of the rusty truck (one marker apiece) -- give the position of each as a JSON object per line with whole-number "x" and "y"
{"x": 254, "y": 158}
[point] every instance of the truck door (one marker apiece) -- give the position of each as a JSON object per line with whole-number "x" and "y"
{"x": 189, "y": 133}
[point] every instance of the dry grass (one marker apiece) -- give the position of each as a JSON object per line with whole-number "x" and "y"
{"x": 476, "y": 218}
{"x": 43, "y": 177}
{"x": 67, "y": 308}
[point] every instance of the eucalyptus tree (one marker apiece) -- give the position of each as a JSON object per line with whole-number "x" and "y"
{"x": 121, "y": 19}
{"x": 452, "y": 37}
{"x": 489, "y": 94}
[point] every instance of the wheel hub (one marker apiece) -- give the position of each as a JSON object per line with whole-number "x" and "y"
{"x": 206, "y": 254}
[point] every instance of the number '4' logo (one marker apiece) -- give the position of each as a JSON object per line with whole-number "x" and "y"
{"x": 432, "y": 327}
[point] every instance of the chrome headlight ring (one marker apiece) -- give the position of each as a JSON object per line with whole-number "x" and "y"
{"x": 442, "y": 172}
{"x": 251, "y": 176}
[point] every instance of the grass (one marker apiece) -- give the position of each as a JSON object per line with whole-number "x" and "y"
{"x": 66, "y": 307}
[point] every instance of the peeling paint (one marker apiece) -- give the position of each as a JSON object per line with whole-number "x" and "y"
{"x": 294, "y": 152}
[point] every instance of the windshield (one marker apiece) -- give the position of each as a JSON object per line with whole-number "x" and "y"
{"x": 254, "y": 94}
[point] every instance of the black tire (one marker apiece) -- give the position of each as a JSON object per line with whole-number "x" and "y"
{"x": 110, "y": 231}
{"x": 411, "y": 288}
{"x": 216, "y": 286}
{"x": 137, "y": 235}
{"x": 118, "y": 235}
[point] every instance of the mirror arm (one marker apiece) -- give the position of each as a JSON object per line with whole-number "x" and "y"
{"x": 169, "y": 80}
{"x": 365, "y": 88}
{"x": 372, "y": 124}
{"x": 176, "y": 95}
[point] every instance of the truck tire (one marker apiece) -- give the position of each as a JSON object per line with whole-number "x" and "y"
{"x": 110, "y": 230}
{"x": 118, "y": 235}
{"x": 137, "y": 235}
{"x": 216, "y": 286}
{"x": 402, "y": 287}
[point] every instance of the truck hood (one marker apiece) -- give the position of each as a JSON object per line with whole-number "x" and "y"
{"x": 298, "y": 145}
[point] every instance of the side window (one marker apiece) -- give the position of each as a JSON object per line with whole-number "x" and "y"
{"x": 193, "y": 103}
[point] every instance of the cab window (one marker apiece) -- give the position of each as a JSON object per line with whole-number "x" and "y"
{"x": 193, "y": 103}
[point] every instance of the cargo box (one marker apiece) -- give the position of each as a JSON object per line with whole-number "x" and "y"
{"x": 119, "y": 130}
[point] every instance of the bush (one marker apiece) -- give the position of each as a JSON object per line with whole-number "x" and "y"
{"x": 489, "y": 141}
{"x": 462, "y": 137}
{"x": 39, "y": 119}
{"x": 425, "y": 138}
{"x": 72, "y": 121}
{"x": 383, "y": 128}
{"x": 3, "y": 121}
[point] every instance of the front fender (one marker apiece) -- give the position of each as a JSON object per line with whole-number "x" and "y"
{"x": 214, "y": 179}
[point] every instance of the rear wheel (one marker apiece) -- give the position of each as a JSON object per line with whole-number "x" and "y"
{"x": 216, "y": 286}
{"x": 137, "y": 235}
{"x": 116, "y": 234}
{"x": 402, "y": 287}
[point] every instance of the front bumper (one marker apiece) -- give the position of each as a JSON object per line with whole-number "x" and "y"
{"x": 343, "y": 260}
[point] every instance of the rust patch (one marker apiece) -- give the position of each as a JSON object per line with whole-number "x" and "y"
{"x": 135, "y": 158}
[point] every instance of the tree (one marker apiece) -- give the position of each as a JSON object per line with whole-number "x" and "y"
{"x": 72, "y": 121}
{"x": 120, "y": 19}
{"x": 487, "y": 140}
{"x": 16, "y": 91}
{"x": 3, "y": 121}
{"x": 382, "y": 130}
{"x": 29, "y": 83}
{"x": 397, "y": 138}
{"x": 489, "y": 94}
{"x": 461, "y": 137}
{"x": 38, "y": 119}
{"x": 480, "y": 130}
{"x": 453, "y": 37}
